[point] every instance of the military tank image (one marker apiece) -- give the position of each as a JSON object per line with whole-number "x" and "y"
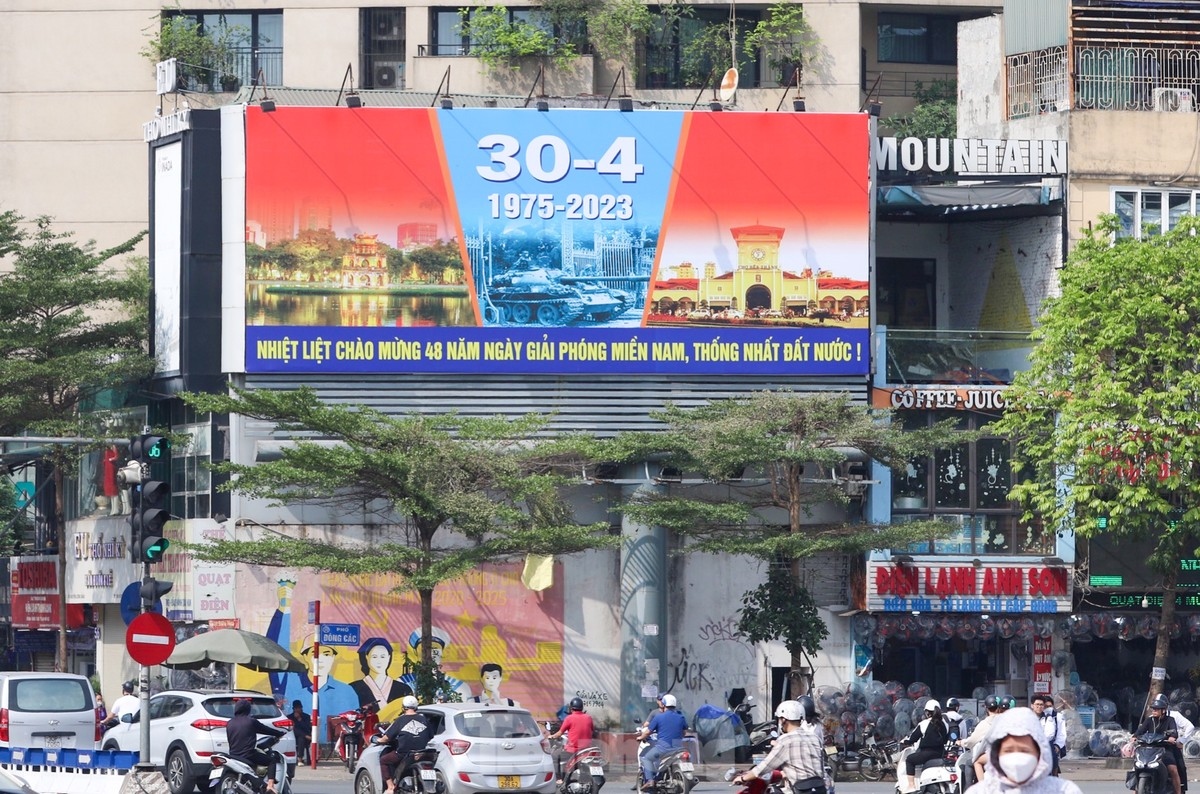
{"x": 547, "y": 297}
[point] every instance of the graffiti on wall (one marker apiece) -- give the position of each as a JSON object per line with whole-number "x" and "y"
{"x": 495, "y": 640}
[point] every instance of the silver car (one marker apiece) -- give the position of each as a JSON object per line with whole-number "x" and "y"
{"x": 480, "y": 749}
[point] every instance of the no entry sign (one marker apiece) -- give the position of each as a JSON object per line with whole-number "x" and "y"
{"x": 150, "y": 638}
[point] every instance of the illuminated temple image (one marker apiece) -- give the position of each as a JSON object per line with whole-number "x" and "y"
{"x": 759, "y": 287}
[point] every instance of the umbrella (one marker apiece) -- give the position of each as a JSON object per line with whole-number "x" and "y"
{"x": 234, "y": 646}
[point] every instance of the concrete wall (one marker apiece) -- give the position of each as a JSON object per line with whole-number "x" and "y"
{"x": 1003, "y": 272}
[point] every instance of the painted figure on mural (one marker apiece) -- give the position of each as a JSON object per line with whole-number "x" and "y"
{"x": 280, "y": 629}
{"x": 490, "y": 676}
{"x": 437, "y": 651}
{"x": 376, "y": 686}
{"x": 335, "y": 696}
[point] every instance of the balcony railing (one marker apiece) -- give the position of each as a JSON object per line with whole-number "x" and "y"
{"x": 242, "y": 67}
{"x": 1103, "y": 78}
{"x": 962, "y": 357}
{"x": 902, "y": 84}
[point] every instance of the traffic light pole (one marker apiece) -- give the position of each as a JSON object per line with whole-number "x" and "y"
{"x": 144, "y": 692}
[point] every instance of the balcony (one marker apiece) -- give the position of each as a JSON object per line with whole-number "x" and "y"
{"x": 242, "y": 67}
{"x": 954, "y": 357}
{"x": 1157, "y": 78}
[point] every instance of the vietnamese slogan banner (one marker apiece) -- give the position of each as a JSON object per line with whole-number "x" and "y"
{"x": 384, "y": 240}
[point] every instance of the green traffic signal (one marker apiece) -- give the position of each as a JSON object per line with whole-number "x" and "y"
{"x": 149, "y": 448}
{"x": 152, "y": 548}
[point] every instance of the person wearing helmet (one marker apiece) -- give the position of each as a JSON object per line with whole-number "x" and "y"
{"x": 1056, "y": 731}
{"x": 977, "y": 757}
{"x": 242, "y": 732}
{"x": 410, "y": 731}
{"x": 1160, "y": 721}
{"x": 797, "y": 752}
{"x": 812, "y": 720}
{"x": 953, "y": 718}
{"x": 579, "y": 730}
{"x": 669, "y": 726}
{"x": 1010, "y": 702}
{"x": 126, "y": 704}
{"x": 1018, "y": 758}
{"x": 928, "y": 740}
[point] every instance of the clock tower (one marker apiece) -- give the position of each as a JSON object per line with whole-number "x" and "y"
{"x": 758, "y": 246}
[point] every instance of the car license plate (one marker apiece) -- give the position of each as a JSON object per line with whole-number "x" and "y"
{"x": 686, "y": 766}
{"x": 428, "y": 774}
{"x": 596, "y": 770}
{"x": 53, "y": 742}
{"x": 510, "y": 781}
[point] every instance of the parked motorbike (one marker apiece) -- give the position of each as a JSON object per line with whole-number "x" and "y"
{"x": 420, "y": 775}
{"x": 1149, "y": 774}
{"x": 355, "y": 725}
{"x": 876, "y": 761}
{"x": 844, "y": 763}
{"x": 231, "y": 775}
{"x": 761, "y": 736}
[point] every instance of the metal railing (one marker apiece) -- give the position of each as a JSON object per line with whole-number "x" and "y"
{"x": 1103, "y": 78}
{"x": 902, "y": 84}
{"x": 241, "y": 67}
{"x": 962, "y": 357}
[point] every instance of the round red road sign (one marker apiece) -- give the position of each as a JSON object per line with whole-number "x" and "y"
{"x": 150, "y": 638}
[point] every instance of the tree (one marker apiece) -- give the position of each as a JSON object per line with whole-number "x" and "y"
{"x": 1103, "y": 423}
{"x": 777, "y": 456}
{"x": 448, "y": 492}
{"x": 71, "y": 326}
{"x": 935, "y": 115}
{"x": 785, "y": 39}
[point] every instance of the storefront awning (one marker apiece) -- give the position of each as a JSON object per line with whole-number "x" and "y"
{"x": 964, "y": 200}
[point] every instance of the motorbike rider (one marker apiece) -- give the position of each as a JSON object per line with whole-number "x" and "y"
{"x": 797, "y": 752}
{"x": 669, "y": 725}
{"x": 579, "y": 730}
{"x": 1160, "y": 721}
{"x": 1019, "y": 758}
{"x": 410, "y": 731}
{"x": 977, "y": 741}
{"x": 929, "y": 739}
{"x": 1052, "y": 723}
{"x": 241, "y": 731}
{"x": 953, "y": 718}
{"x": 811, "y": 718}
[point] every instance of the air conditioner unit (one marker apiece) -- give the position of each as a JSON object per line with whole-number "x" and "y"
{"x": 1174, "y": 100}
{"x": 387, "y": 74}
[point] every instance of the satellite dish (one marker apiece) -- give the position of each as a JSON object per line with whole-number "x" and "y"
{"x": 729, "y": 85}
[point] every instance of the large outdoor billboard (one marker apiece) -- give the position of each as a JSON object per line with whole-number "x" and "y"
{"x": 389, "y": 240}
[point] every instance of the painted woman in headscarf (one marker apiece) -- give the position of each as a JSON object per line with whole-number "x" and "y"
{"x": 1019, "y": 758}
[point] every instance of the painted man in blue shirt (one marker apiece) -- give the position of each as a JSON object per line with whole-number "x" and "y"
{"x": 669, "y": 725}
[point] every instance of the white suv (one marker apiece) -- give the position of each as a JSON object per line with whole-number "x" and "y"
{"x": 186, "y": 728}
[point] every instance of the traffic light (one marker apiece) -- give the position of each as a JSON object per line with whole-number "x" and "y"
{"x": 152, "y": 590}
{"x": 149, "y": 499}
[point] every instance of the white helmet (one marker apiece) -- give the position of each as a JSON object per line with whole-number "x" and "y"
{"x": 790, "y": 710}
{"x": 932, "y": 705}
{"x": 409, "y": 702}
{"x": 669, "y": 701}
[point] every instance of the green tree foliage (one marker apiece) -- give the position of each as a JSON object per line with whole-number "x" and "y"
{"x": 72, "y": 325}
{"x": 779, "y": 609}
{"x": 447, "y": 493}
{"x": 784, "y": 38}
{"x": 775, "y": 456}
{"x": 935, "y": 115}
{"x": 498, "y": 40}
{"x": 1104, "y": 421}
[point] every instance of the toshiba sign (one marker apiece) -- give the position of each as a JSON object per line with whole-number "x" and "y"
{"x": 959, "y": 587}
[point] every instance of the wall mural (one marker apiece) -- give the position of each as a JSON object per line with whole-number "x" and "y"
{"x": 497, "y": 641}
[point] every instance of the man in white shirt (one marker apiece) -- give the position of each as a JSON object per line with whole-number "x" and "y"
{"x": 1052, "y": 724}
{"x": 128, "y": 703}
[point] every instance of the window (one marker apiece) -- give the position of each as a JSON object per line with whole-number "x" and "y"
{"x": 255, "y": 42}
{"x": 917, "y": 38}
{"x": 383, "y": 42}
{"x": 191, "y": 485}
{"x": 448, "y": 37}
{"x": 967, "y": 485}
{"x": 679, "y": 51}
{"x": 1142, "y": 213}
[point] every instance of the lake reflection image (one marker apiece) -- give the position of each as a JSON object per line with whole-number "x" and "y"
{"x": 449, "y": 307}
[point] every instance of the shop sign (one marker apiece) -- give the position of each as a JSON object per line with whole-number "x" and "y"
{"x": 98, "y": 564}
{"x": 935, "y": 398}
{"x": 972, "y": 156}
{"x": 34, "y": 582}
{"x": 1042, "y": 650}
{"x": 965, "y": 588}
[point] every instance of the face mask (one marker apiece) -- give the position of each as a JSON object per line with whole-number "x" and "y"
{"x": 1018, "y": 767}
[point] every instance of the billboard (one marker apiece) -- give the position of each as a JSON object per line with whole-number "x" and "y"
{"x": 395, "y": 240}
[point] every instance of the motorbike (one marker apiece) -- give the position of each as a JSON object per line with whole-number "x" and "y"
{"x": 1149, "y": 774}
{"x": 674, "y": 774}
{"x": 761, "y": 736}
{"x": 876, "y": 761}
{"x": 773, "y": 784}
{"x": 420, "y": 776}
{"x": 231, "y": 775}
{"x": 355, "y": 724}
{"x": 583, "y": 771}
{"x": 937, "y": 776}
{"x": 843, "y": 762}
